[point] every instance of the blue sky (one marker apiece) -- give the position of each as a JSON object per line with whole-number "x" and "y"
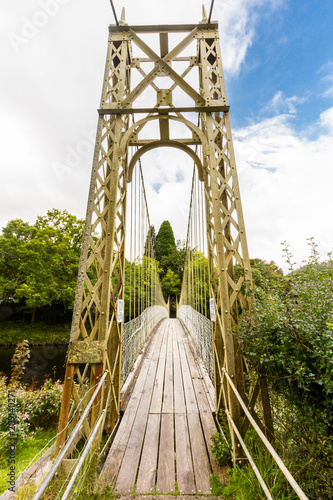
{"x": 291, "y": 52}
{"x": 278, "y": 62}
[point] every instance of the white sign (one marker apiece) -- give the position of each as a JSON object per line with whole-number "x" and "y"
{"x": 120, "y": 311}
{"x": 212, "y": 309}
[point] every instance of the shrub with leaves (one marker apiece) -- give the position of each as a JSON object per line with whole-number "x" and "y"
{"x": 34, "y": 410}
{"x": 290, "y": 333}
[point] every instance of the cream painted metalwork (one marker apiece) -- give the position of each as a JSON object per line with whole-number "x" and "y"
{"x": 96, "y": 336}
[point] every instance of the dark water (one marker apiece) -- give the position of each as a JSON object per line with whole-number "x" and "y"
{"x": 45, "y": 362}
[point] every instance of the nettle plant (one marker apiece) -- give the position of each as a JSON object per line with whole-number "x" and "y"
{"x": 19, "y": 360}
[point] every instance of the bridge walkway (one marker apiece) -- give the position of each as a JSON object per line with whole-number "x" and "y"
{"x": 164, "y": 437}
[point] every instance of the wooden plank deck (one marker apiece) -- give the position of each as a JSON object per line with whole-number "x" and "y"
{"x": 163, "y": 440}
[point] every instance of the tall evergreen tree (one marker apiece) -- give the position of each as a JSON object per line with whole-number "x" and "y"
{"x": 165, "y": 241}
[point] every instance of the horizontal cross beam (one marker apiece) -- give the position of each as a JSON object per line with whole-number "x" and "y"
{"x": 161, "y": 111}
{"x": 156, "y": 28}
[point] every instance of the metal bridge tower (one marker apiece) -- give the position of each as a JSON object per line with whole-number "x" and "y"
{"x": 183, "y": 89}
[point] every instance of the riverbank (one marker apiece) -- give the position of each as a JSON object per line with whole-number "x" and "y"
{"x": 37, "y": 334}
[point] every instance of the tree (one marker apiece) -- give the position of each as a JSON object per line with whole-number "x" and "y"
{"x": 171, "y": 284}
{"x": 165, "y": 241}
{"x": 39, "y": 263}
{"x": 150, "y": 241}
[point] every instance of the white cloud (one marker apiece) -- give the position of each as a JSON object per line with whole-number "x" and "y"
{"x": 280, "y": 104}
{"x": 49, "y": 93}
{"x": 237, "y": 19}
{"x": 326, "y": 118}
{"x": 327, "y": 79}
{"x": 286, "y": 185}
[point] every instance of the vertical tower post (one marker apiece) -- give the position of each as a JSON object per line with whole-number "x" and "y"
{"x": 96, "y": 336}
{"x": 225, "y": 225}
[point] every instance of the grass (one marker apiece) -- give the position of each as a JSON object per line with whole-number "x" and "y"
{"x": 13, "y": 332}
{"x": 24, "y": 455}
{"x": 217, "y": 488}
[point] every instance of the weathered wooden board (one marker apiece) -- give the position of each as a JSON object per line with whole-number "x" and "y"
{"x": 128, "y": 470}
{"x": 148, "y": 463}
{"x": 185, "y": 476}
{"x": 201, "y": 464}
{"x": 156, "y": 402}
{"x": 165, "y": 433}
{"x": 115, "y": 455}
{"x": 168, "y": 378}
{"x": 166, "y": 459}
{"x": 117, "y": 450}
{"x": 190, "y": 400}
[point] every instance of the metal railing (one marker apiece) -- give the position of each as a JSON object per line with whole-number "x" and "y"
{"x": 299, "y": 492}
{"x": 80, "y": 414}
{"x": 135, "y": 335}
{"x": 200, "y": 330}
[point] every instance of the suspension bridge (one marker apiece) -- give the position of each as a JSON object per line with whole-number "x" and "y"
{"x": 142, "y": 392}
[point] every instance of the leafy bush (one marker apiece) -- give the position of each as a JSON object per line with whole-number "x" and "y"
{"x": 34, "y": 410}
{"x": 290, "y": 333}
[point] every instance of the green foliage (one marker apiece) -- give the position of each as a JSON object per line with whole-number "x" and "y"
{"x": 217, "y": 488}
{"x": 165, "y": 241}
{"x": 38, "y": 263}
{"x": 170, "y": 256}
{"x": 197, "y": 280}
{"x": 12, "y": 332}
{"x": 150, "y": 241}
{"x": 19, "y": 360}
{"x": 244, "y": 484}
{"x": 171, "y": 284}
{"x": 24, "y": 456}
{"x": 220, "y": 449}
{"x": 35, "y": 410}
{"x": 290, "y": 333}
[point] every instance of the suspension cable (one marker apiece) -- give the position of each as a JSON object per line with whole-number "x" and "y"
{"x": 114, "y": 12}
{"x": 211, "y": 11}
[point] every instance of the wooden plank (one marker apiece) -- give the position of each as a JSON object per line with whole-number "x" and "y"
{"x": 167, "y": 406}
{"x": 153, "y": 350}
{"x": 148, "y": 463}
{"x": 185, "y": 476}
{"x": 128, "y": 469}
{"x": 117, "y": 450}
{"x": 166, "y": 459}
{"x": 201, "y": 465}
{"x": 178, "y": 380}
{"x": 197, "y": 380}
{"x": 156, "y": 402}
{"x": 206, "y": 417}
{"x": 209, "y": 428}
{"x": 190, "y": 400}
{"x": 115, "y": 455}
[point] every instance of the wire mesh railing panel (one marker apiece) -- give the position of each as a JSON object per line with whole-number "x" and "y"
{"x": 201, "y": 332}
{"x": 135, "y": 335}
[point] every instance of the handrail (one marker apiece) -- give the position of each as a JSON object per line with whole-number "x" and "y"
{"x": 247, "y": 453}
{"x": 268, "y": 445}
{"x": 68, "y": 444}
{"x": 83, "y": 456}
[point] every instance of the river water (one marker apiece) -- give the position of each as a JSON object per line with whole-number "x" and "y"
{"x": 45, "y": 362}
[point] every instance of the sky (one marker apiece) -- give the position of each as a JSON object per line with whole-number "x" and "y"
{"x": 278, "y": 63}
